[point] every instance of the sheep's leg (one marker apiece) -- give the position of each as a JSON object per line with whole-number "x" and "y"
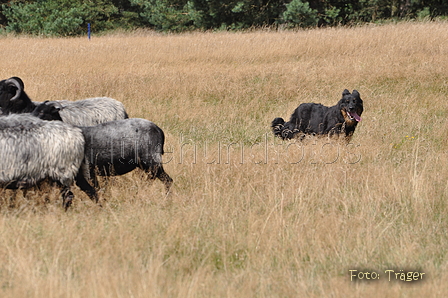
{"x": 84, "y": 185}
{"x": 67, "y": 197}
{"x": 166, "y": 179}
{"x": 159, "y": 172}
{"x": 93, "y": 177}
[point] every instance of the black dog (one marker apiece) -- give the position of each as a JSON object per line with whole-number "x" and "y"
{"x": 313, "y": 118}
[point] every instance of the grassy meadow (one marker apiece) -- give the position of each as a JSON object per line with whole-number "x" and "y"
{"x": 249, "y": 215}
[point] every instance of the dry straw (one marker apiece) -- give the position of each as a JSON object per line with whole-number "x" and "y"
{"x": 249, "y": 215}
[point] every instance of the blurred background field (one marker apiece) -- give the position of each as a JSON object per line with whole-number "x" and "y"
{"x": 249, "y": 215}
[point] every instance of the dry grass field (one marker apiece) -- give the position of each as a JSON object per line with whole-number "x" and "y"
{"x": 249, "y": 215}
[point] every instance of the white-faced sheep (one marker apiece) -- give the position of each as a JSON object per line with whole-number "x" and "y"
{"x": 118, "y": 147}
{"x": 86, "y": 112}
{"x": 32, "y": 150}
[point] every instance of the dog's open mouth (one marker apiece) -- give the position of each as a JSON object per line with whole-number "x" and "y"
{"x": 353, "y": 116}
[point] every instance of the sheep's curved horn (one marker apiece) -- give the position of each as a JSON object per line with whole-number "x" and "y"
{"x": 16, "y": 82}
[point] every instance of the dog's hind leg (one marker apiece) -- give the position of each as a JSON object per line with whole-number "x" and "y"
{"x": 278, "y": 126}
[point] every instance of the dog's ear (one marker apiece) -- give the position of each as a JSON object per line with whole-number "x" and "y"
{"x": 345, "y": 92}
{"x": 355, "y": 93}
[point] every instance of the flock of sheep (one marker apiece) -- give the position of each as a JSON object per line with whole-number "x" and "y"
{"x": 73, "y": 141}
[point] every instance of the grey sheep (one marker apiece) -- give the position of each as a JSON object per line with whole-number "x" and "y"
{"x": 86, "y": 112}
{"x": 32, "y": 150}
{"x": 118, "y": 147}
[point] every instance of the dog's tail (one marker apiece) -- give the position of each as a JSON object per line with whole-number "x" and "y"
{"x": 281, "y": 129}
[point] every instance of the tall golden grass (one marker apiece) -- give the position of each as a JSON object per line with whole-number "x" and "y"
{"x": 249, "y": 215}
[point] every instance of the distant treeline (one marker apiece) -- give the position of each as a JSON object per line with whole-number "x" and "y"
{"x": 70, "y": 17}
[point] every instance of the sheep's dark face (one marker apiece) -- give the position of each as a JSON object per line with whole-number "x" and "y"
{"x": 47, "y": 111}
{"x": 12, "y": 97}
{"x": 7, "y": 91}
